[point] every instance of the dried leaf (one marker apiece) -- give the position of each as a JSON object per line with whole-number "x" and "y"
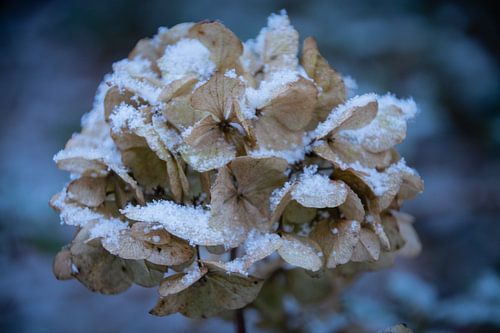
{"x": 177, "y": 88}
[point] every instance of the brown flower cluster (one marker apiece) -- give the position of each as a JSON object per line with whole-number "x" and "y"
{"x": 207, "y": 165}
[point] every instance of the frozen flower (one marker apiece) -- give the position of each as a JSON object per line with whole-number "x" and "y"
{"x": 208, "y": 166}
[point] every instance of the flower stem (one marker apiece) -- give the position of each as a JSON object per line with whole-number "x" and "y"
{"x": 239, "y": 318}
{"x": 240, "y": 321}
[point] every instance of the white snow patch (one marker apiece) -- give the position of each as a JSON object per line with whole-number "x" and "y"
{"x": 187, "y": 222}
{"x": 187, "y": 56}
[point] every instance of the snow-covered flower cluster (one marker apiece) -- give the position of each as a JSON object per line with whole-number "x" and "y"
{"x": 207, "y": 164}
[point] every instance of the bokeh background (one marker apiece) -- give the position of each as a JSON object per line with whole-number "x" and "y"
{"x": 445, "y": 54}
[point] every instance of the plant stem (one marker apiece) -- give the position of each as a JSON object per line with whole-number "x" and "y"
{"x": 239, "y": 318}
{"x": 240, "y": 321}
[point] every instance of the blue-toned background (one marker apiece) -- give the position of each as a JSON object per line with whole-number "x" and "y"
{"x": 445, "y": 54}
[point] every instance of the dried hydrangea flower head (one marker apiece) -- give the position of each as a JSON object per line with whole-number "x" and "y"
{"x": 208, "y": 166}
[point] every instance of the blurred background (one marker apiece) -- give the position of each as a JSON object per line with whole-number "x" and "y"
{"x": 445, "y": 54}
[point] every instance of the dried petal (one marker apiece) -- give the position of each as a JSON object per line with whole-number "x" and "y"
{"x": 282, "y": 119}
{"x": 145, "y": 274}
{"x": 301, "y": 252}
{"x": 280, "y": 44}
{"x": 62, "y": 265}
{"x": 87, "y": 191}
{"x": 368, "y": 247}
{"x": 223, "y": 44}
{"x": 333, "y": 91}
{"x": 318, "y": 191}
{"x": 240, "y": 195}
{"x": 175, "y": 252}
{"x": 176, "y": 283}
{"x": 337, "y": 239}
{"x": 213, "y": 293}
{"x": 96, "y": 268}
{"x": 352, "y": 208}
{"x": 257, "y": 246}
{"x": 217, "y": 96}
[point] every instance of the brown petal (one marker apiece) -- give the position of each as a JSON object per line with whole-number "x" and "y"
{"x": 301, "y": 252}
{"x": 147, "y": 168}
{"x": 217, "y": 96}
{"x": 215, "y": 292}
{"x": 176, "y": 283}
{"x": 257, "y": 246}
{"x": 62, "y": 265}
{"x": 97, "y": 269}
{"x": 175, "y": 252}
{"x": 355, "y": 113}
{"x": 145, "y": 274}
{"x": 114, "y": 97}
{"x": 337, "y": 240}
{"x": 150, "y": 233}
{"x": 368, "y": 247}
{"x": 350, "y": 152}
{"x": 412, "y": 245}
{"x": 293, "y": 107}
{"x": 207, "y": 148}
{"x": 298, "y": 214}
{"x": 387, "y": 130}
{"x": 281, "y": 45}
{"x": 333, "y": 90}
{"x": 224, "y": 45}
{"x": 88, "y": 191}
{"x": 352, "y": 208}
{"x": 180, "y": 113}
{"x": 177, "y": 88}
{"x": 412, "y": 185}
